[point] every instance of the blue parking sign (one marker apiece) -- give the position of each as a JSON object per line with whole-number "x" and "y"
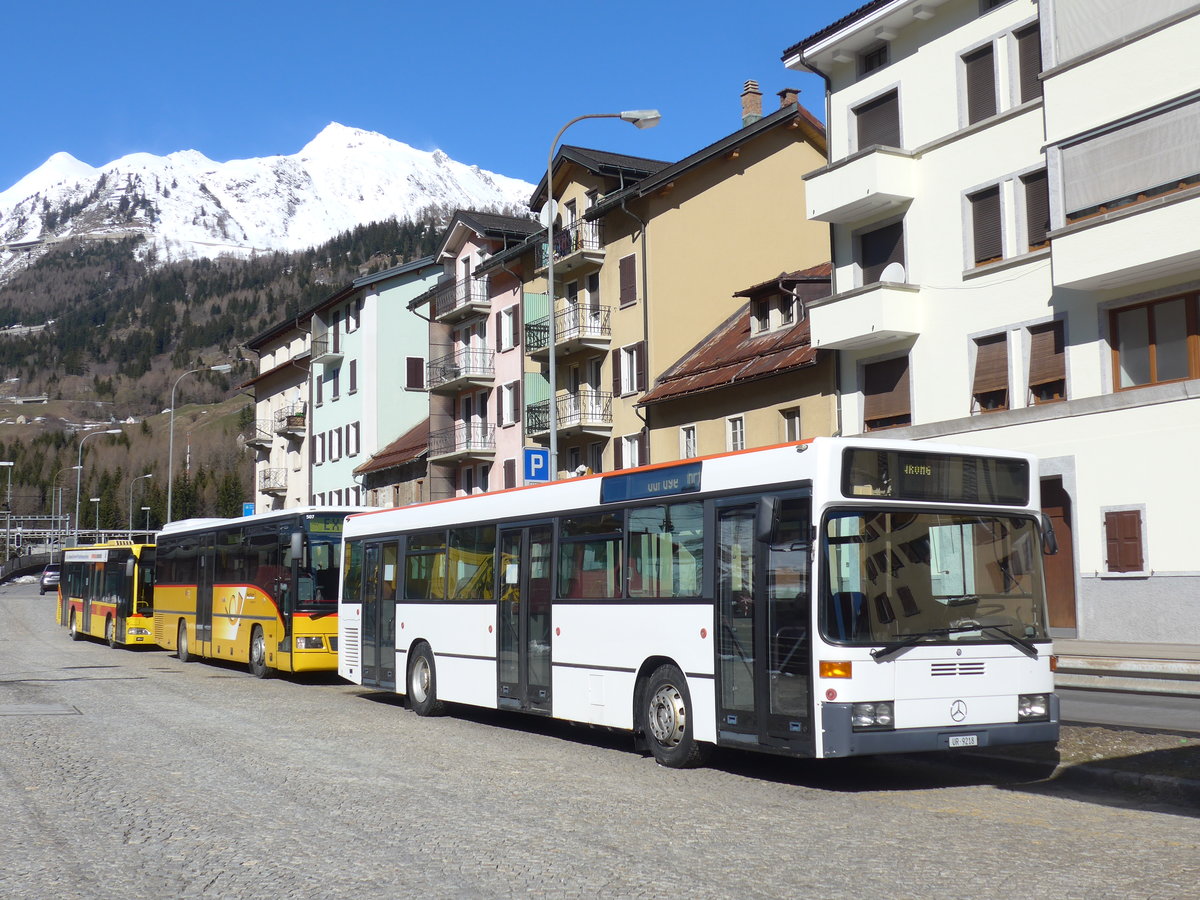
{"x": 247, "y": 508}
{"x": 537, "y": 464}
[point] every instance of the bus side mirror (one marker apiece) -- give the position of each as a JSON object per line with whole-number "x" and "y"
{"x": 297, "y": 545}
{"x": 1049, "y": 541}
{"x": 766, "y": 519}
{"x": 129, "y": 563}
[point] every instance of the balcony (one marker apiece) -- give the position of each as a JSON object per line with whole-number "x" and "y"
{"x": 290, "y": 421}
{"x": 458, "y": 300}
{"x": 272, "y": 481}
{"x": 324, "y": 352}
{"x": 258, "y": 435}
{"x": 465, "y": 441}
{"x": 861, "y": 186}
{"x": 463, "y": 368}
{"x": 579, "y": 413}
{"x": 1153, "y": 239}
{"x": 577, "y": 247}
{"x": 575, "y": 328}
{"x": 869, "y": 316}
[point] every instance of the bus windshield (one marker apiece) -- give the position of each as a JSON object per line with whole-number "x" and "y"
{"x": 894, "y": 575}
{"x": 319, "y": 584}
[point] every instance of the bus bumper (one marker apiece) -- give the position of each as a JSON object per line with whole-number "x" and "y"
{"x": 839, "y": 739}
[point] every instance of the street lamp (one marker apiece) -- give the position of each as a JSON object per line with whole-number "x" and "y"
{"x": 96, "y": 500}
{"x": 8, "y": 512}
{"x": 131, "y": 483}
{"x": 79, "y": 473}
{"x": 146, "y": 510}
{"x": 639, "y": 118}
{"x": 56, "y": 510}
{"x": 220, "y": 367}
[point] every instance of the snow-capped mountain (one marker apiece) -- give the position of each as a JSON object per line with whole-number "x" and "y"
{"x": 190, "y": 206}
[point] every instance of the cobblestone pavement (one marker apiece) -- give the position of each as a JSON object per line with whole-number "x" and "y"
{"x": 129, "y": 774}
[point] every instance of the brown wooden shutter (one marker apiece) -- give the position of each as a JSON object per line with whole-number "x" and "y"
{"x": 517, "y": 408}
{"x": 319, "y": 381}
{"x": 1123, "y": 537}
{"x": 617, "y": 453}
{"x": 415, "y": 374}
{"x": 991, "y": 364}
{"x": 1037, "y": 209}
{"x": 639, "y": 354}
{"x": 1047, "y": 361}
{"x": 510, "y": 473}
{"x": 1029, "y": 62}
{"x": 986, "y": 225}
{"x": 885, "y": 390}
{"x": 615, "y": 356}
{"x": 499, "y": 332}
{"x": 643, "y": 447}
{"x": 878, "y": 122}
{"x": 880, "y": 248}
{"x": 353, "y": 375}
{"x": 518, "y": 337}
{"x": 981, "y": 84}
{"x": 628, "y": 280}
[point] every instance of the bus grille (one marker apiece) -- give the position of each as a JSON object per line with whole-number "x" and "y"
{"x": 938, "y": 669}
{"x": 350, "y": 652}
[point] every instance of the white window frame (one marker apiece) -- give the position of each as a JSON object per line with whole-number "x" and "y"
{"x": 508, "y": 331}
{"x": 735, "y": 433}
{"x": 630, "y": 458}
{"x": 629, "y": 370}
{"x": 688, "y": 441}
{"x": 789, "y": 415}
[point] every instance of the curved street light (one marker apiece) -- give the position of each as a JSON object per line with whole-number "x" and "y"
{"x": 220, "y": 367}
{"x": 639, "y": 118}
{"x": 79, "y": 475}
{"x": 131, "y": 484}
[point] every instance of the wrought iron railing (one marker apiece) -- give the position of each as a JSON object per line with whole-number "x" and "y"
{"x": 580, "y": 235}
{"x": 460, "y": 364}
{"x": 572, "y": 322}
{"x": 580, "y": 409}
{"x": 459, "y": 294}
{"x": 290, "y": 419}
{"x": 258, "y": 433}
{"x": 463, "y": 437}
{"x": 271, "y": 481}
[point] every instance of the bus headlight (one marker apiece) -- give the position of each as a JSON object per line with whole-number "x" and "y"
{"x": 310, "y": 643}
{"x": 142, "y": 631}
{"x": 871, "y": 716}
{"x": 1031, "y": 707}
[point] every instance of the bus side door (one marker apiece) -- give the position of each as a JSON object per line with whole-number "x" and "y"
{"x": 523, "y": 618}
{"x": 205, "y": 573}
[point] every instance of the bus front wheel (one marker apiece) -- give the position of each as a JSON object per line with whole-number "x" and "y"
{"x": 73, "y": 628}
{"x": 422, "y": 683}
{"x": 181, "y": 646}
{"x": 258, "y": 654}
{"x": 110, "y": 632}
{"x": 667, "y": 720}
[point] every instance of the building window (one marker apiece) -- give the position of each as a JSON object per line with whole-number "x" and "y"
{"x": 510, "y": 403}
{"x": 629, "y": 369}
{"x": 1037, "y": 209}
{"x": 880, "y": 248}
{"x": 886, "y": 402}
{"x": 1124, "y": 541}
{"x": 506, "y": 329}
{"x": 1155, "y": 342}
{"x": 760, "y": 315}
{"x": 354, "y": 376}
{"x": 596, "y": 456}
{"x": 878, "y": 122}
{"x": 989, "y": 390}
{"x": 1047, "y": 363}
{"x": 875, "y": 57}
{"x": 791, "y": 424}
{"x": 735, "y": 433}
{"x": 979, "y": 81}
{"x": 628, "y": 280}
{"x": 1029, "y": 63}
{"x": 414, "y": 373}
{"x": 354, "y": 439}
{"x": 319, "y": 450}
{"x": 687, "y": 442}
{"x": 468, "y": 481}
{"x": 510, "y": 473}
{"x": 319, "y": 383}
{"x": 335, "y": 384}
{"x": 631, "y": 450}
{"x": 787, "y": 309}
{"x": 484, "y": 472}
{"x": 986, "y": 226}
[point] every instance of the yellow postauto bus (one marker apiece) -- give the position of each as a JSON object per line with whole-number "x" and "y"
{"x": 107, "y": 591}
{"x": 260, "y": 590}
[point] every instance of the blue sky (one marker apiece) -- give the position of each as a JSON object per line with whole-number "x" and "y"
{"x": 488, "y": 83}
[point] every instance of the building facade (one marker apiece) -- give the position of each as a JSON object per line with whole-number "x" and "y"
{"x": 279, "y": 435}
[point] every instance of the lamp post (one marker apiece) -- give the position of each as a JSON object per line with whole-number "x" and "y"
{"x": 131, "y": 484}
{"x": 220, "y": 367}
{"x": 8, "y": 511}
{"x": 79, "y": 474}
{"x": 146, "y": 510}
{"x": 96, "y": 500}
{"x": 639, "y": 118}
{"x": 57, "y": 509}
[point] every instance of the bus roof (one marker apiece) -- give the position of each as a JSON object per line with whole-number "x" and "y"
{"x": 184, "y": 526}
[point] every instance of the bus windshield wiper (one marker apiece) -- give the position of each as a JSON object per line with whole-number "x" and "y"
{"x": 887, "y": 651}
{"x": 1022, "y": 644}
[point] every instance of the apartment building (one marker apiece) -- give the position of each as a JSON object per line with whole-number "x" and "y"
{"x": 1012, "y": 193}
{"x": 279, "y": 435}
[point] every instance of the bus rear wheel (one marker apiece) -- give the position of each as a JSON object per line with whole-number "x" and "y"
{"x": 666, "y": 720}
{"x": 110, "y": 632}
{"x": 181, "y": 646}
{"x": 422, "y": 683}
{"x": 258, "y": 654}
{"x": 73, "y": 628}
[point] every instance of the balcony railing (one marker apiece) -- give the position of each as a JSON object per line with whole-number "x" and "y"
{"x": 458, "y": 299}
{"x": 459, "y": 368}
{"x": 574, "y": 327}
{"x": 465, "y": 440}
{"x": 290, "y": 420}
{"x": 580, "y": 237}
{"x": 258, "y": 434}
{"x": 272, "y": 481}
{"x": 581, "y": 411}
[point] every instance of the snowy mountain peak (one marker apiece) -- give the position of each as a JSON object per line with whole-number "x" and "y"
{"x": 188, "y": 205}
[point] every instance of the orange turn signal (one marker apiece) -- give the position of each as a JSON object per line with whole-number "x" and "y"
{"x": 1054, "y": 662}
{"x": 837, "y": 669}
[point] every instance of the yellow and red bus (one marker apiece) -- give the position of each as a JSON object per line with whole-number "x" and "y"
{"x": 260, "y": 590}
{"x": 107, "y": 591}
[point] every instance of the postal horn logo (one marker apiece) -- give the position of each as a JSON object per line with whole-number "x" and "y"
{"x": 958, "y": 710}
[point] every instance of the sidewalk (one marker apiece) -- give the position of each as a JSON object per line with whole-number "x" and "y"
{"x": 1119, "y": 666}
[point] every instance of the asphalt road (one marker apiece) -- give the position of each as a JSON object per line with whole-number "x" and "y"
{"x": 1160, "y": 711}
{"x": 129, "y": 774}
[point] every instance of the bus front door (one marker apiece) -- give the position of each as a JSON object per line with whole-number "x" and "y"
{"x": 763, "y": 643}
{"x": 379, "y": 614}
{"x": 205, "y": 574}
{"x": 523, "y": 645}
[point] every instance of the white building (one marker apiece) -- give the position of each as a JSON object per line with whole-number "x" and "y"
{"x": 279, "y": 434}
{"x": 1014, "y": 197}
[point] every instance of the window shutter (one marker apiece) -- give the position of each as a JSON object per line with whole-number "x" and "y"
{"x": 639, "y": 355}
{"x": 628, "y": 280}
{"x": 617, "y": 448}
{"x": 320, "y": 385}
{"x": 353, "y": 375}
{"x": 615, "y": 356}
{"x": 879, "y": 122}
{"x": 980, "y": 68}
{"x": 643, "y": 441}
{"x": 991, "y": 364}
{"x": 516, "y": 326}
{"x": 885, "y": 390}
{"x": 1029, "y": 62}
{"x": 880, "y": 248}
{"x": 1047, "y": 361}
{"x": 499, "y": 332}
{"x": 1123, "y": 537}
{"x": 1037, "y": 209}
{"x": 415, "y": 376}
{"x": 510, "y": 473}
{"x": 985, "y": 224}
{"x": 516, "y": 393}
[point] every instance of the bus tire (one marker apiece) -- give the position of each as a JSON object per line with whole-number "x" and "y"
{"x": 110, "y": 632}
{"x": 181, "y": 646}
{"x": 666, "y": 720}
{"x": 73, "y": 628}
{"x": 258, "y": 654}
{"x": 422, "y": 683}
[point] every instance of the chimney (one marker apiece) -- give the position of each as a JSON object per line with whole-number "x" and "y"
{"x": 788, "y": 96}
{"x": 751, "y": 103}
